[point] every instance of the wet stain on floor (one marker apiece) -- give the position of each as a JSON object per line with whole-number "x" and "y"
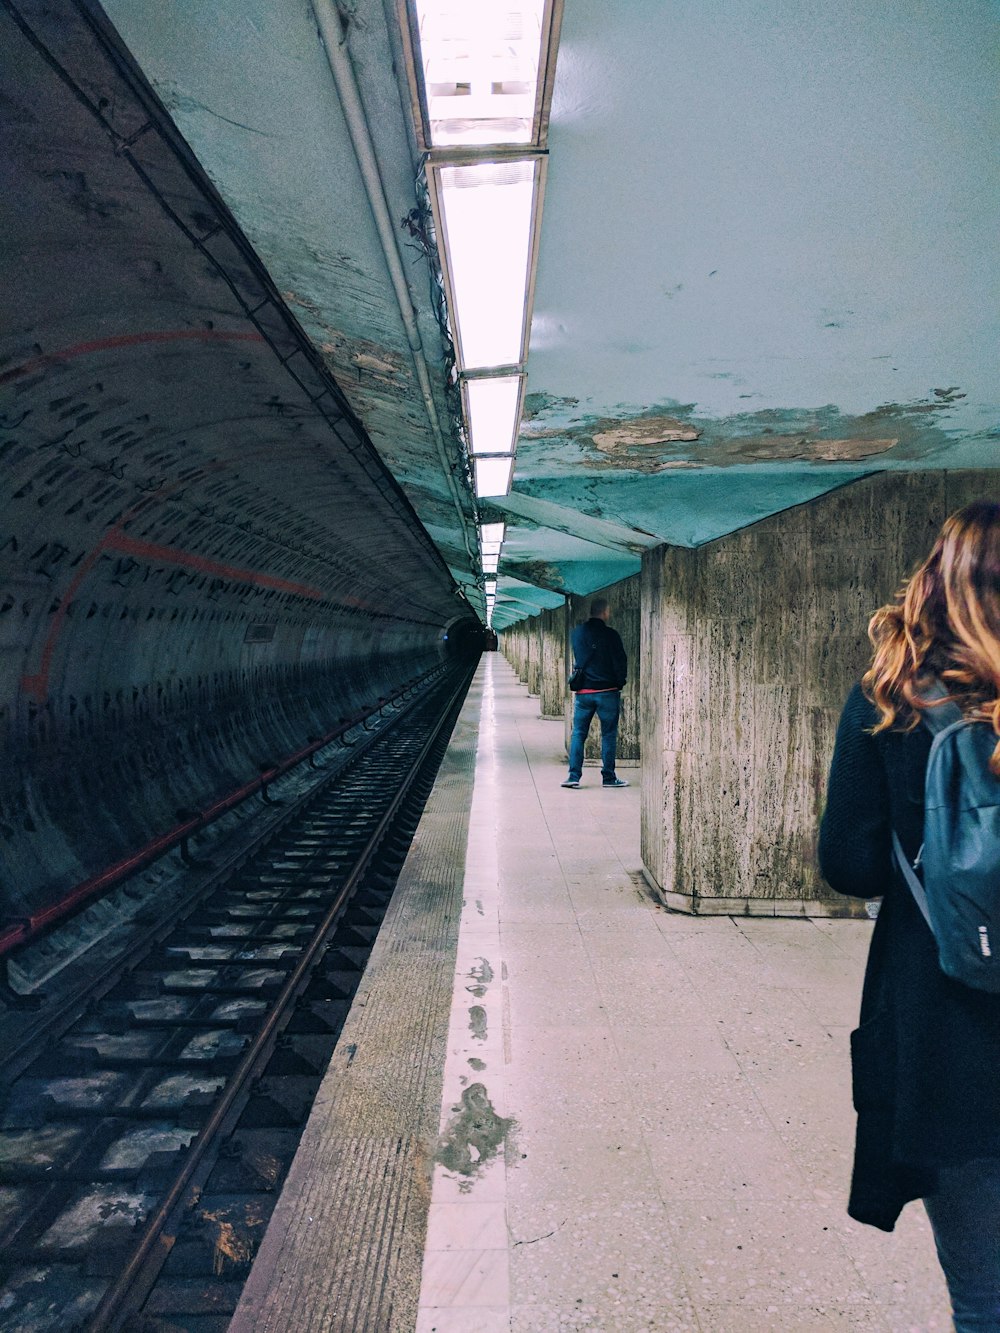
{"x": 477, "y": 1022}
{"x": 482, "y": 975}
{"x": 474, "y": 1136}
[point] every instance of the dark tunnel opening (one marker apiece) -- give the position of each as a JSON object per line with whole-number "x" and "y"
{"x": 467, "y": 639}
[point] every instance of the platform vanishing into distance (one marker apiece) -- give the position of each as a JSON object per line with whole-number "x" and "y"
{"x": 631, "y": 1119}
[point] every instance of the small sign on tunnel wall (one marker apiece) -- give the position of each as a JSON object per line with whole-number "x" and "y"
{"x": 259, "y": 634}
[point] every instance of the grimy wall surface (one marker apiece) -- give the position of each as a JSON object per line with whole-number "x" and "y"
{"x": 204, "y": 563}
{"x": 749, "y": 647}
{"x": 513, "y": 643}
{"x": 553, "y": 635}
{"x": 534, "y": 655}
{"x": 625, "y": 600}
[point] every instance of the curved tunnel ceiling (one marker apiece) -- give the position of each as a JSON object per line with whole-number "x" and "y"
{"x": 147, "y": 350}
{"x": 251, "y": 89}
{"x": 205, "y": 563}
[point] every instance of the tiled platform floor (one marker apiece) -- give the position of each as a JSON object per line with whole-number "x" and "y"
{"x": 656, "y": 1125}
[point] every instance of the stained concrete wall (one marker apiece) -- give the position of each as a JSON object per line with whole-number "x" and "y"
{"x": 554, "y": 633}
{"x": 625, "y": 601}
{"x": 534, "y": 654}
{"x": 525, "y": 651}
{"x": 513, "y": 643}
{"x": 749, "y": 648}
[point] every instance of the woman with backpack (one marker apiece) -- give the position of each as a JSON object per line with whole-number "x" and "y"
{"x": 926, "y": 1056}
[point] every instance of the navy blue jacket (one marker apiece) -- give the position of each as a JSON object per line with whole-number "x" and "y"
{"x": 926, "y": 1056}
{"x": 601, "y": 647}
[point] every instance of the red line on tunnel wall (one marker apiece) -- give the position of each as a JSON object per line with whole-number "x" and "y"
{"x": 116, "y": 540}
{"x": 128, "y": 340}
{"x": 121, "y": 541}
{"x": 38, "y": 685}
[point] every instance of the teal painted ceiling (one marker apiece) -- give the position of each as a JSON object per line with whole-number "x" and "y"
{"x": 768, "y": 262}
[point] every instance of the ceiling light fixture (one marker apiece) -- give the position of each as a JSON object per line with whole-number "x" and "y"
{"x": 480, "y": 69}
{"x": 493, "y": 409}
{"x": 481, "y": 81}
{"x": 487, "y": 231}
{"x": 493, "y": 475}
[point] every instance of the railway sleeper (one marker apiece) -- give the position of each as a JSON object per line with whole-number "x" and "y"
{"x": 280, "y": 1103}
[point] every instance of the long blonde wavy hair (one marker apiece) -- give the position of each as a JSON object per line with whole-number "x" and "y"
{"x": 944, "y": 622}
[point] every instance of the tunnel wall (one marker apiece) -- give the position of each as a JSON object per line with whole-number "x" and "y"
{"x": 750, "y": 646}
{"x": 204, "y": 563}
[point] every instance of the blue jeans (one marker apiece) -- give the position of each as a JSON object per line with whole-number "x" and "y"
{"x": 965, "y": 1215}
{"x": 607, "y": 705}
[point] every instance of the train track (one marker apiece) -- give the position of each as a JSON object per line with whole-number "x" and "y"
{"x": 146, "y": 1128}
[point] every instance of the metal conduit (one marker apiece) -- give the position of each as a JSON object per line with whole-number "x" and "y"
{"x": 338, "y": 55}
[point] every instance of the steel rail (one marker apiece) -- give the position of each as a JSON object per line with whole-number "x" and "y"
{"x": 56, "y": 1019}
{"x": 124, "y": 1296}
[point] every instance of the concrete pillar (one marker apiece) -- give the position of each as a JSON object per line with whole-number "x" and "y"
{"x": 522, "y": 651}
{"x": 624, "y": 599}
{"x": 533, "y": 627}
{"x": 514, "y": 645}
{"x": 510, "y": 645}
{"x": 554, "y": 636}
{"x": 749, "y": 646}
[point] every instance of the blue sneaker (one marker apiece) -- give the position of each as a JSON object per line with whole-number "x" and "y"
{"x": 571, "y": 782}
{"x": 615, "y": 782}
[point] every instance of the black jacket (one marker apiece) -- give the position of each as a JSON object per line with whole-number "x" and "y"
{"x": 600, "y": 646}
{"x": 926, "y": 1056}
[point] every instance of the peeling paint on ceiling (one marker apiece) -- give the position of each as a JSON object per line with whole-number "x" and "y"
{"x": 644, "y": 431}
{"x": 650, "y": 441}
{"x": 804, "y": 310}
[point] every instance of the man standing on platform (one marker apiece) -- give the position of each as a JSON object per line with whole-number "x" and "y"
{"x": 599, "y": 659}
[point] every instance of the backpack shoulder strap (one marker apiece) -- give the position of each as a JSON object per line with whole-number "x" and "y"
{"x": 936, "y": 720}
{"x": 942, "y": 715}
{"x": 911, "y": 878}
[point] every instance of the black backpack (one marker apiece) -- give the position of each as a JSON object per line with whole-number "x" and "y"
{"x": 579, "y": 673}
{"x": 959, "y": 892}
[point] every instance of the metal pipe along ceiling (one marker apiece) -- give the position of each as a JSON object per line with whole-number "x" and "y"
{"x": 342, "y": 67}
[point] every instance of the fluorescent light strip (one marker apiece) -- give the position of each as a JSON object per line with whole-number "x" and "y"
{"x": 493, "y": 413}
{"x": 480, "y": 62}
{"x": 488, "y": 68}
{"x": 493, "y": 475}
{"x": 491, "y": 532}
{"x": 488, "y": 214}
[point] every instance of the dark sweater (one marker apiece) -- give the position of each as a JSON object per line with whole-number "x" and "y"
{"x": 600, "y": 646}
{"x": 926, "y": 1057}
